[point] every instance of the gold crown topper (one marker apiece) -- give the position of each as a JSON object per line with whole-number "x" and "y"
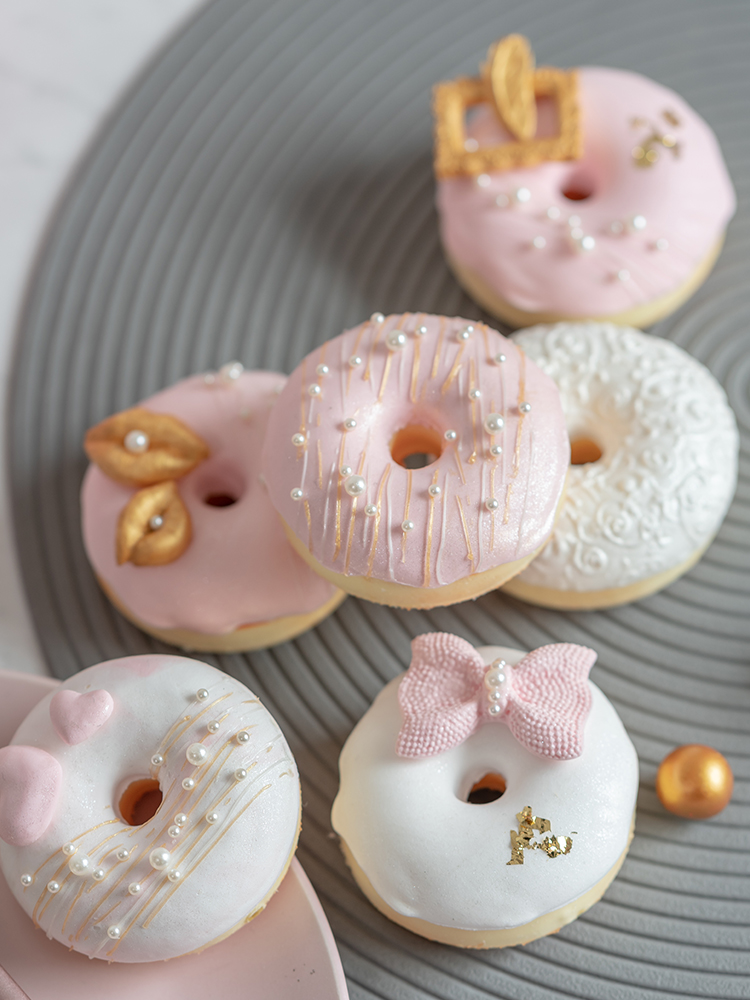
{"x": 511, "y": 85}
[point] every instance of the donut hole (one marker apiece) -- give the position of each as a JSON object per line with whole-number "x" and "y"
{"x": 220, "y": 500}
{"x": 139, "y": 801}
{"x": 416, "y": 446}
{"x": 488, "y": 788}
{"x": 578, "y": 187}
{"x": 584, "y": 450}
{"x": 219, "y": 485}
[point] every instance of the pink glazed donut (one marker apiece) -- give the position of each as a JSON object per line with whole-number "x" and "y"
{"x": 626, "y": 233}
{"x": 417, "y": 460}
{"x": 237, "y": 584}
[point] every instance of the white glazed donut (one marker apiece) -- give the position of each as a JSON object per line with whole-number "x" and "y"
{"x": 447, "y": 868}
{"x": 94, "y": 757}
{"x": 646, "y": 510}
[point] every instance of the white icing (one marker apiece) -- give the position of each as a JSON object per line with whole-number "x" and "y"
{"x": 668, "y": 471}
{"x": 227, "y": 867}
{"x": 430, "y": 854}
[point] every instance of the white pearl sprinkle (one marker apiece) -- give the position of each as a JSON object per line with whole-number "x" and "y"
{"x": 314, "y": 390}
{"x": 322, "y": 370}
{"x": 522, "y": 195}
{"x": 180, "y": 819}
{"x": 553, "y": 212}
{"x": 231, "y": 371}
{"x": 420, "y": 331}
{"x": 616, "y": 227}
{"x": 355, "y": 361}
{"x": 524, "y": 407}
{"x": 407, "y": 525}
{"x": 345, "y": 470}
{"x": 159, "y": 858}
{"x": 201, "y": 694}
{"x": 576, "y": 234}
{"x": 155, "y": 522}
{"x": 69, "y": 849}
{"x": 495, "y": 709}
{"x": 298, "y": 440}
{"x": 136, "y": 442}
{"x": 114, "y": 932}
{"x": 465, "y": 333}
{"x": 355, "y": 486}
{"x": 240, "y": 774}
{"x": 196, "y": 753}
{"x": 377, "y": 318}
{"x": 27, "y": 879}
{"x": 98, "y": 874}
{"x": 539, "y": 243}
{"x": 212, "y": 817}
{"x": 53, "y": 887}
{"x": 209, "y": 378}
{"x": 175, "y": 875}
{"x": 623, "y": 274}
{"x": 496, "y": 450}
{"x": 350, "y": 423}
{"x": 243, "y": 737}
{"x": 499, "y": 358}
{"x": 661, "y": 244}
{"x": 450, "y": 435}
{"x": 188, "y": 784}
{"x": 471, "y": 145}
{"x": 484, "y": 180}
{"x": 396, "y": 340}
{"x": 475, "y": 393}
{"x": 214, "y": 726}
{"x": 638, "y": 222}
{"x": 371, "y": 510}
{"x": 502, "y": 201}
{"x": 296, "y": 493}
{"x": 174, "y": 831}
{"x": 588, "y": 243}
{"x": 434, "y": 490}
{"x": 122, "y": 854}
{"x": 494, "y": 423}
{"x": 574, "y": 221}
{"x": 134, "y": 888}
{"x": 157, "y": 760}
{"x": 491, "y": 504}
{"x": 80, "y": 865}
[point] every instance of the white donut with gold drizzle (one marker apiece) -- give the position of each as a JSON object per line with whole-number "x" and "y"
{"x": 203, "y": 863}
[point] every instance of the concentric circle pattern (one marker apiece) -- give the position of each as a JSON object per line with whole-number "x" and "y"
{"x": 267, "y": 183}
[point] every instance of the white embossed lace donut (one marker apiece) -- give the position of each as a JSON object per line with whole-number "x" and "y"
{"x": 184, "y": 751}
{"x": 417, "y": 460}
{"x": 658, "y": 447}
{"x": 429, "y": 841}
{"x": 178, "y": 526}
{"x": 627, "y": 232}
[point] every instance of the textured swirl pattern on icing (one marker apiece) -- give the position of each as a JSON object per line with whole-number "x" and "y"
{"x": 469, "y": 511}
{"x": 215, "y": 586}
{"x": 226, "y": 866}
{"x": 669, "y": 465}
{"x": 430, "y": 854}
{"x": 685, "y": 200}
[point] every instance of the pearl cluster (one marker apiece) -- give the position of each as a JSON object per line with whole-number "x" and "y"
{"x": 495, "y": 682}
{"x": 227, "y": 374}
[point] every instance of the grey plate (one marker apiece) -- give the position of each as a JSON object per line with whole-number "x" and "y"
{"x": 266, "y": 183}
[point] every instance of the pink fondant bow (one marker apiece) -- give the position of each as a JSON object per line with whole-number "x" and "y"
{"x": 448, "y": 693}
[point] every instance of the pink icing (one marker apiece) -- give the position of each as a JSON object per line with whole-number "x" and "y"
{"x": 239, "y": 568}
{"x": 428, "y": 383}
{"x": 76, "y": 716}
{"x": 686, "y": 199}
{"x": 447, "y": 694}
{"x": 30, "y": 781}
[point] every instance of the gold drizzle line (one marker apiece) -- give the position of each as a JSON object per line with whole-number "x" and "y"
{"x": 469, "y": 553}
{"x": 492, "y": 512}
{"x": 459, "y": 464}
{"x": 428, "y": 549}
{"x": 386, "y": 373}
{"x": 371, "y": 353}
{"x": 320, "y": 466}
{"x": 357, "y": 339}
{"x": 486, "y": 340}
{"x": 438, "y": 347}
{"x": 454, "y": 370}
{"x": 188, "y": 722}
{"x": 415, "y": 369}
{"x": 521, "y": 415}
{"x": 404, "y": 534}
{"x": 383, "y": 481}
{"x": 337, "y": 546}
{"x": 472, "y": 382}
{"x": 309, "y": 525}
{"x": 360, "y": 467}
{"x": 508, "y": 494}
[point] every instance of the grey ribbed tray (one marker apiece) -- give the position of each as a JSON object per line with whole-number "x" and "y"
{"x": 266, "y": 183}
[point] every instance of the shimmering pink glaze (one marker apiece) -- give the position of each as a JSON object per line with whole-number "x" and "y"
{"x": 425, "y": 383}
{"x": 686, "y": 200}
{"x": 76, "y": 717}
{"x": 30, "y": 781}
{"x": 239, "y": 568}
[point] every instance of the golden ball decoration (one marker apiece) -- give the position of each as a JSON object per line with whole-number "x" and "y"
{"x": 694, "y": 781}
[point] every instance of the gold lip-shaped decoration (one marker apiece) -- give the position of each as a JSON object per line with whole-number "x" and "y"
{"x": 139, "y": 448}
{"x": 154, "y": 527}
{"x": 511, "y": 85}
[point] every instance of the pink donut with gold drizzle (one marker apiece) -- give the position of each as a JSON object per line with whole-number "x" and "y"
{"x": 416, "y": 460}
{"x": 238, "y": 585}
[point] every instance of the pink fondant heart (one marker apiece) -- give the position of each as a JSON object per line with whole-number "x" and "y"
{"x": 76, "y": 716}
{"x": 30, "y": 781}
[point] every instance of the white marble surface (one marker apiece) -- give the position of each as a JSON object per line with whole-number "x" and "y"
{"x": 63, "y": 63}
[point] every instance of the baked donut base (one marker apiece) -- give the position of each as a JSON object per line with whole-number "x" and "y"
{"x": 399, "y": 595}
{"x": 591, "y": 600}
{"x": 548, "y": 923}
{"x": 242, "y": 639}
{"x": 639, "y": 316}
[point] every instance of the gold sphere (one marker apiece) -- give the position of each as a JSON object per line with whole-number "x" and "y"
{"x": 694, "y": 781}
